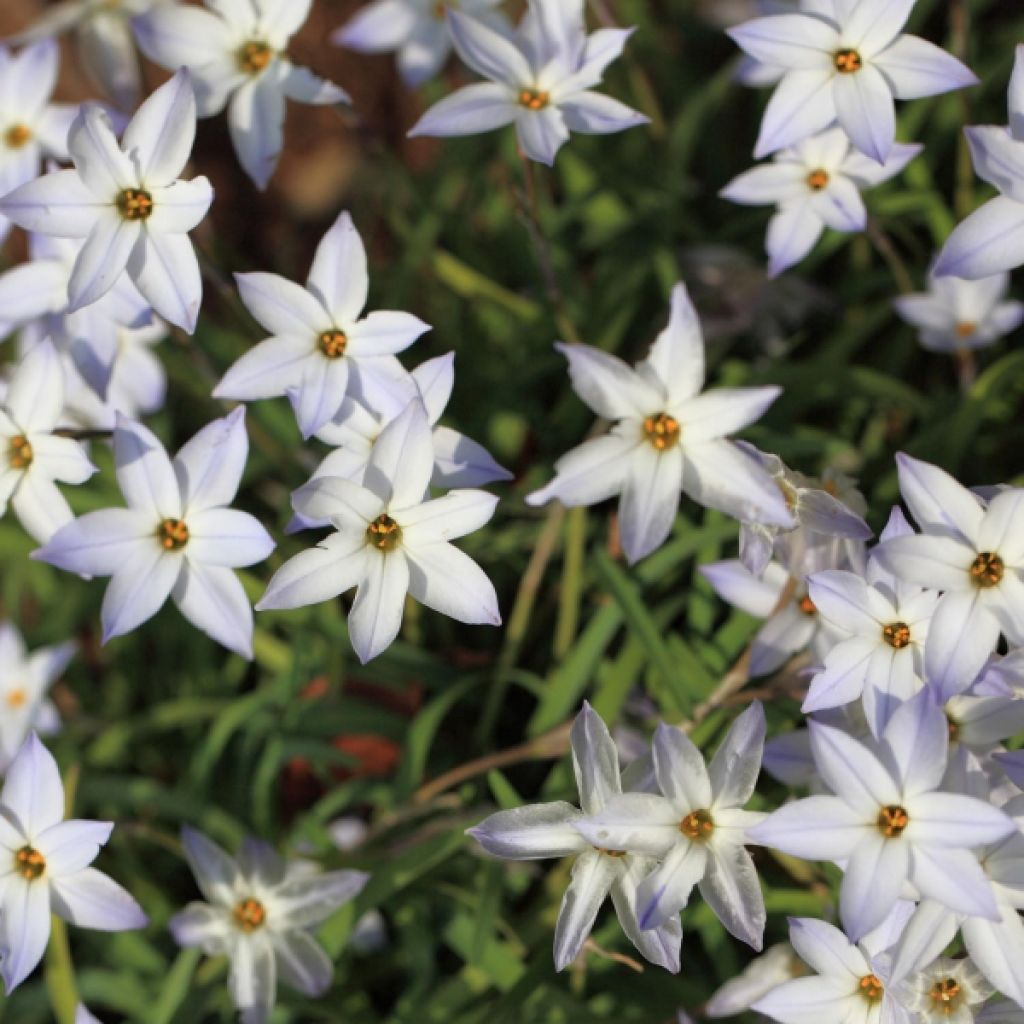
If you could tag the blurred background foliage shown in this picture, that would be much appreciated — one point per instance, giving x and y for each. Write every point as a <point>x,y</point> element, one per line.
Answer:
<point>162,727</point>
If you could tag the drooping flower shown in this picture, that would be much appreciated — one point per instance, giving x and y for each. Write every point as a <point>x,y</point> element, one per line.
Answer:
<point>541,80</point>
<point>34,296</point>
<point>696,827</point>
<point>891,821</point>
<point>103,32</point>
<point>538,831</point>
<point>127,201</point>
<point>458,461</point>
<point>32,457</point>
<point>47,868</point>
<point>417,29</point>
<point>390,540</point>
<point>25,680</point>
<point>955,314</point>
<point>975,555</point>
<point>322,348</point>
<point>237,53</point>
<point>668,438</point>
<point>991,240</point>
<point>259,912</point>
<point>177,538</point>
<point>848,66</point>
<point>32,129</point>
<point>815,184</point>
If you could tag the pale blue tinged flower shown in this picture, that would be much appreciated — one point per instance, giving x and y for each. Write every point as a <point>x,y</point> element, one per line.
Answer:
<point>778,964</point>
<point>177,538</point>
<point>539,831</point>
<point>668,438</point>
<point>458,461</point>
<point>991,240</point>
<point>416,29</point>
<point>974,554</point>
<point>260,912</point>
<point>127,202</point>
<point>814,185</point>
<point>890,821</point>
<point>696,827</point>
<point>32,457</point>
<point>390,540</point>
<point>541,80</point>
<point>847,66</point>
<point>25,679</point>
<point>47,869</point>
<point>237,54</point>
<point>322,348</point>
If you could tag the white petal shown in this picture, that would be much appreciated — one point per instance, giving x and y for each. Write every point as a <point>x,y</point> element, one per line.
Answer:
<point>915,68</point>
<point>402,460</point>
<point>723,411</point>
<point>650,499</point>
<point>608,385</point>
<point>214,870</point>
<point>145,473</point>
<point>72,845</point>
<point>209,467</point>
<point>378,27</point>
<point>661,946</point>
<point>533,832</point>
<point>319,574</point>
<point>592,877</point>
<point>666,890</point>
<point>936,498</point>
<point>26,929</point>
<point>852,771</point>
<point>268,370</point>
<point>481,107</point>
<point>988,242</point>
<point>961,636</point>
<point>103,259</point>
<point>676,359</point>
<point>89,899</point>
<point>737,762</point>
<point>826,950</point>
<point>732,890</point>
<point>840,206</point>
<point>98,543</point>
<point>35,395</point>
<point>953,878</point>
<point>307,900</point>
<point>214,601</point>
<point>338,278</point>
<point>376,614</point>
<point>818,828</point>
<point>446,579</point>
<point>680,770</point>
<point>252,981</point>
<point>595,760</point>
<point>488,52</point>
<point>180,206</point>
<point>137,591</point>
<point>201,925</point>
<point>541,133</point>
<point>302,963</point>
<point>590,473</point>
<point>104,168</point>
<point>283,307</point>
<point>384,333</point>
<point>875,875</point>
<point>462,463</point>
<point>54,204</point>
<point>813,1000</point>
<point>62,458</point>
<point>181,35</point>
<point>802,105</point>
<point>792,234</point>
<point>33,793</point>
<point>997,948</point>
<point>41,509</point>
<point>302,86</point>
<point>160,135</point>
<point>592,113</point>
<point>318,395</point>
<point>645,823</point>
<point>166,271</point>
<point>227,537</point>
<point>768,184</point>
<point>788,40</point>
<point>256,123</point>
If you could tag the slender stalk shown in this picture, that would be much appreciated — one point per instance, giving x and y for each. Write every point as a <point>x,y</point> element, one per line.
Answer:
<point>59,974</point>
<point>884,247</point>
<point>572,582</point>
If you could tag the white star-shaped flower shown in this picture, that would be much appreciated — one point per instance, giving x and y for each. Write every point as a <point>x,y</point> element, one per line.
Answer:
<point>815,184</point>
<point>35,295</point>
<point>32,129</point>
<point>695,826</point>
<point>177,538</point>
<point>417,29</point>
<point>237,53</point>
<point>458,461</point>
<point>32,457</point>
<point>103,32</point>
<point>955,314</point>
<point>890,821</point>
<point>322,348</point>
<point>25,680</point>
<point>390,540</point>
<point>991,240</point>
<point>668,438</point>
<point>260,912</point>
<point>848,67</point>
<point>538,831</point>
<point>541,80</point>
<point>127,202</point>
<point>975,555</point>
<point>946,992</point>
<point>47,866</point>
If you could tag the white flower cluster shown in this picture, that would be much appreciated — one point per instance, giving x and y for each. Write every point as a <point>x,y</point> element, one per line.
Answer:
<point>912,651</point>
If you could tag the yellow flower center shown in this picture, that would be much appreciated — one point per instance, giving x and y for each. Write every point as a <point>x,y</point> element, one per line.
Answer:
<point>987,569</point>
<point>384,533</point>
<point>662,431</point>
<point>135,204</point>
<point>533,99</point>
<point>807,606</point>
<point>29,863</point>
<point>847,61</point>
<point>817,180</point>
<point>892,821</point>
<point>965,328</point>
<point>254,56</point>
<point>20,453</point>
<point>18,135</point>
<point>871,988</point>
<point>896,634</point>
<point>697,825</point>
<point>172,534</point>
<point>945,995</point>
<point>249,915</point>
<point>17,698</point>
<point>333,343</point>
